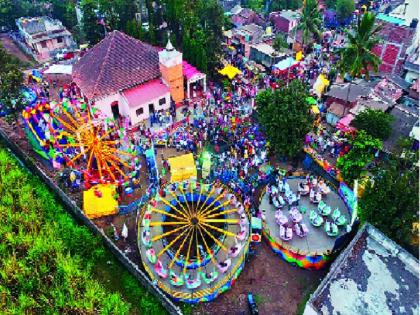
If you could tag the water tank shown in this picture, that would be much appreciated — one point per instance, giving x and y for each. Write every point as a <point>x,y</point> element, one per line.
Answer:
<point>414,23</point>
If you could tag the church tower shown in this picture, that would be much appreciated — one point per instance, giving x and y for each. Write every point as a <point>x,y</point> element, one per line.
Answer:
<point>170,64</point>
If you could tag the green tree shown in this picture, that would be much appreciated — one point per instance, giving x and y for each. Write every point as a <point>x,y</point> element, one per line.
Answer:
<point>11,82</point>
<point>93,32</point>
<point>330,4</point>
<point>353,165</point>
<point>280,43</point>
<point>310,22</point>
<point>65,11</point>
<point>278,5</point>
<point>357,57</point>
<point>391,200</point>
<point>345,9</point>
<point>284,116</point>
<point>376,123</point>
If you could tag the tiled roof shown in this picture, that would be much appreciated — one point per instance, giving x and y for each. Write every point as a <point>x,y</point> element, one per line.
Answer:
<point>116,63</point>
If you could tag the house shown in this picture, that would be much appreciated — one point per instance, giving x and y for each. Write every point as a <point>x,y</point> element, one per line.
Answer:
<point>44,36</point>
<point>284,21</point>
<point>245,36</point>
<point>373,275</point>
<point>335,112</point>
<point>244,16</point>
<point>265,54</point>
<point>123,76</point>
<point>405,118</point>
<point>348,93</point>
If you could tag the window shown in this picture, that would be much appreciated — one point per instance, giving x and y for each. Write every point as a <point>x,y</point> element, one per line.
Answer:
<point>139,111</point>
<point>59,39</point>
<point>162,101</point>
<point>44,44</point>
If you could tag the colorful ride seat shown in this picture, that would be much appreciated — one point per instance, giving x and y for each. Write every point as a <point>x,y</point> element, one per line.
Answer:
<point>316,220</point>
<point>331,229</point>
<point>336,214</point>
<point>145,238</point>
<point>151,255</point>
<point>240,236</point>
<point>224,265</point>
<point>209,277</point>
<point>321,206</point>
<point>161,270</point>
<point>146,220</point>
<point>175,280</point>
<point>326,211</point>
<point>286,234</point>
<point>234,250</point>
<point>341,220</point>
<point>301,229</point>
<point>192,283</point>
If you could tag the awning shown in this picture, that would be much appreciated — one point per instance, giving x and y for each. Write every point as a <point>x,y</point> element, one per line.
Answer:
<point>230,71</point>
<point>320,84</point>
<point>285,63</point>
<point>190,71</point>
<point>59,69</point>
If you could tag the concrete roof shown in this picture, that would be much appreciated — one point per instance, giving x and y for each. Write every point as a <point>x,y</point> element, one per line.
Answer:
<point>373,275</point>
<point>357,88</point>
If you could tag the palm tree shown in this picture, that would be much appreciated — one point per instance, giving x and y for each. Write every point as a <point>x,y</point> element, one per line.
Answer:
<point>357,57</point>
<point>310,22</point>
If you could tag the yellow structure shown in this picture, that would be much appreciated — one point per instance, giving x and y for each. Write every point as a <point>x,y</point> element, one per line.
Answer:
<point>99,201</point>
<point>230,71</point>
<point>321,84</point>
<point>182,167</point>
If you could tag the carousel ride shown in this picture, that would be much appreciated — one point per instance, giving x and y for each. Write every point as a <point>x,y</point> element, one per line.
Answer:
<point>193,239</point>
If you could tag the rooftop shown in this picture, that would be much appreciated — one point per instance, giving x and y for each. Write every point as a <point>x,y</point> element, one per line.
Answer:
<point>373,275</point>
<point>40,24</point>
<point>357,88</point>
<point>116,63</point>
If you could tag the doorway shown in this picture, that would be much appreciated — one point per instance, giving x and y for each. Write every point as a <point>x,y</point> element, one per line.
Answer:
<point>151,109</point>
<point>115,110</point>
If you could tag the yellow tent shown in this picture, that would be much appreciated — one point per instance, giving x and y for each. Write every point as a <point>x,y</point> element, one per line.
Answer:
<point>99,201</point>
<point>230,71</point>
<point>182,167</point>
<point>320,84</point>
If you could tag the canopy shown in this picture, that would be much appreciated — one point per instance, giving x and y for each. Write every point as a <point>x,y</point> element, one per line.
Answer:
<point>182,167</point>
<point>59,69</point>
<point>285,63</point>
<point>311,100</point>
<point>99,201</point>
<point>344,123</point>
<point>320,84</point>
<point>190,71</point>
<point>230,71</point>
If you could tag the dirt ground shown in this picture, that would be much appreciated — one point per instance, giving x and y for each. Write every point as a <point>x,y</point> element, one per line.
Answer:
<point>277,286</point>
<point>13,49</point>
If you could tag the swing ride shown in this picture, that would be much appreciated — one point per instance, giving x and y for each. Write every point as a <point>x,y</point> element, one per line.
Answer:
<point>193,239</point>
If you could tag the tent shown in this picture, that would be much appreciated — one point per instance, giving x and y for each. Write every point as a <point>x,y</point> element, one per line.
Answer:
<point>344,123</point>
<point>285,64</point>
<point>59,69</point>
<point>99,201</point>
<point>230,71</point>
<point>182,167</point>
<point>321,84</point>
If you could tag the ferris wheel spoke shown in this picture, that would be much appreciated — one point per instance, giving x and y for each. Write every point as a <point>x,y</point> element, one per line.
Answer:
<point>227,233</point>
<point>110,172</point>
<point>186,201</point>
<point>212,210</point>
<point>185,211</point>
<point>166,202</point>
<point>211,204</point>
<point>197,249</point>
<point>160,236</point>
<point>117,168</point>
<point>188,252</point>
<point>190,229</point>
<point>207,198</point>
<point>65,124</point>
<point>208,250</point>
<point>220,221</point>
<point>166,213</point>
<point>160,223</point>
<point>214,239</point>
<point>220,213</point>
<point>171,243</point>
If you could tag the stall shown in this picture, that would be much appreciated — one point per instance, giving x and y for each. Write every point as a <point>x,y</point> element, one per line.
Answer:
<point>182,167</point>
<point>230,71</point>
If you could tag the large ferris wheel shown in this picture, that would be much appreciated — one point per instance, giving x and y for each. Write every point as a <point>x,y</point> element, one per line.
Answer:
<point>191,236</point>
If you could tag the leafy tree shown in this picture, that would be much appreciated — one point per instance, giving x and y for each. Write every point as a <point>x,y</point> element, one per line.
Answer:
<point>353,165</point>
<point>376,123</point>
<point>357,57</point>
<point>390,201</point>
<point>93,32</point>
<point>11,82</point>
<point>345,9</point>
<point>284,116</point>
<point>65,11</point>
<point>330,4</point>
<point>227,23</point>
<point>278,5</point>
<point>310,22</point>
<point>280,43</point>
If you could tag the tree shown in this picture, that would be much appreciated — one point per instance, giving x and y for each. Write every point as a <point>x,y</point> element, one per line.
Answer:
<point>330,4</point>
<point>11,83</point>
<point>357,57</point>
<point>93,32</point>
<point>280,43</point>
<point>390,201</point>
<point>345,9</point>
<point>284,116</point>
<point>278,5</point>
<point>353,165</point>
<point>376,123</point>
<point>310,22</point>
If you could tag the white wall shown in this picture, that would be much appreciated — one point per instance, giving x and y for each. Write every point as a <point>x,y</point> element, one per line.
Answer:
<point>104,104</point>
<point>137,119</point>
